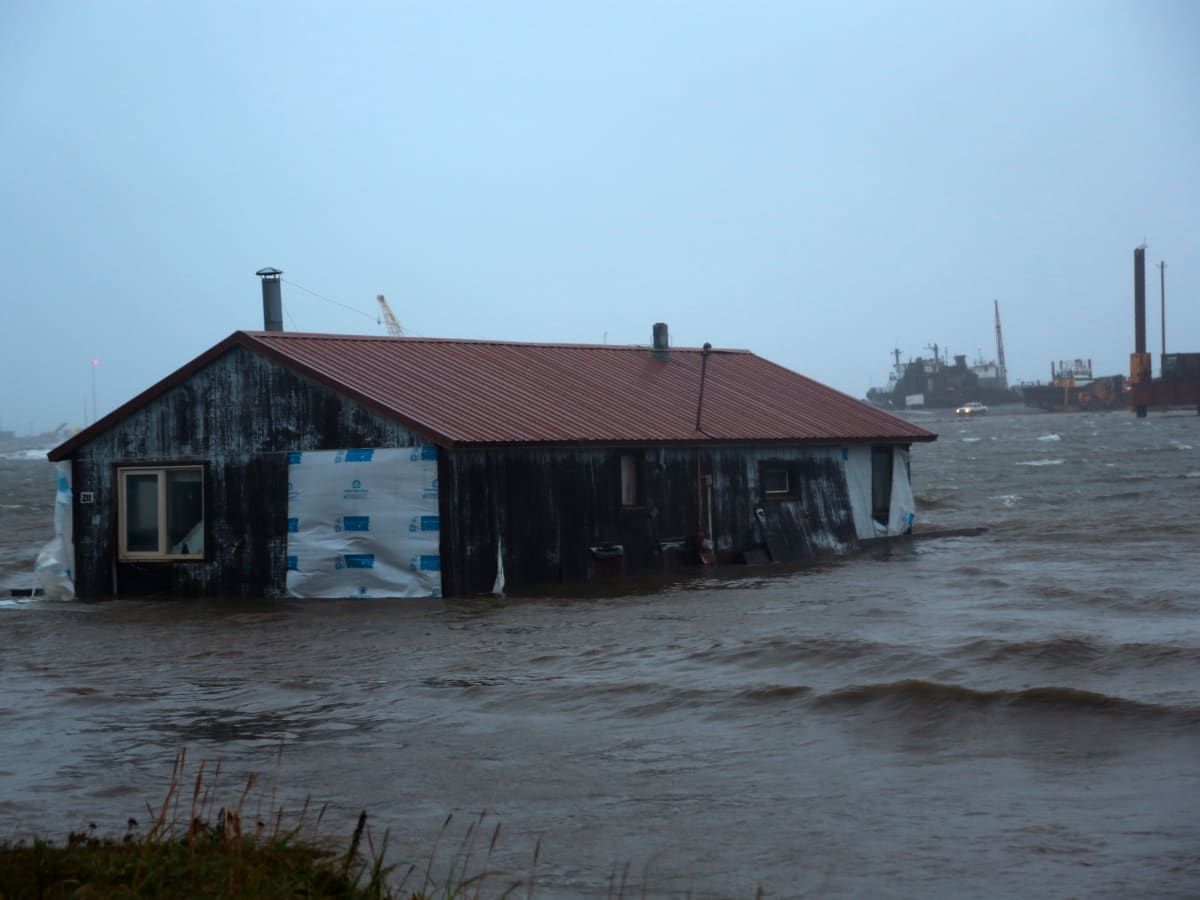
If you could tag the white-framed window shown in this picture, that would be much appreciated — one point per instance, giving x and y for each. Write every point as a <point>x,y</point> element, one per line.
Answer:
<point>160,512</point>
<point>776,481</point>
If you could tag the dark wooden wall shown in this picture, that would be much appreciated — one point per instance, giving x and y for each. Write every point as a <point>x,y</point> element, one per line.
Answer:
<point>560,516</point>
<point>558,511</point>
<point>238,416</point>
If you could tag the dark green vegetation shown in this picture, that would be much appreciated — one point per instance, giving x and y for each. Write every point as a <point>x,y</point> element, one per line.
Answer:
<point>229,853</point>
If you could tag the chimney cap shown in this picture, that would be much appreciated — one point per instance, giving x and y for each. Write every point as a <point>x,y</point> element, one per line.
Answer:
<point>269,272</point>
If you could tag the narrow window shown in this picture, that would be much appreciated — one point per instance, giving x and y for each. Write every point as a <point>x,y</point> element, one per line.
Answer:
<point>630,495</point>
<point>776,481</point>
<point>881,483</point>
<point>141,512</point>
<point>161,513</point>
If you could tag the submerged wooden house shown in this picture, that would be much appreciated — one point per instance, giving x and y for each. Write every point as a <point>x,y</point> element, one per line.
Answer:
<point>529,464</point>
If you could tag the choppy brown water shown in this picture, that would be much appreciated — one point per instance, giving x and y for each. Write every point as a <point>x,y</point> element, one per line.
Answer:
<point>1015,714</point>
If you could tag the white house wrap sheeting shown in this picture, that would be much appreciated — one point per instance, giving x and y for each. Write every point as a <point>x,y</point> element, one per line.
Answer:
<point>903,508</point>
<point>858,482</point>
<point>56,561</point>
<point>363,523</point>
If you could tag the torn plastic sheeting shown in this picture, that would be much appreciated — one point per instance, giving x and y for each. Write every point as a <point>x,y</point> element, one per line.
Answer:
<point>904,506</point>
<point>857,461</point>
<point>55,563</point>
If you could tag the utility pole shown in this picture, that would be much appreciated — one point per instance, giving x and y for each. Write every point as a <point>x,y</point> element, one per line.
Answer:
<point>95,362</point>
<point>1162,285</point>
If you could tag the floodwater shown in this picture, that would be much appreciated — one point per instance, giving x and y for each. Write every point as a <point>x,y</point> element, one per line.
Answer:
<point>1013,714</point>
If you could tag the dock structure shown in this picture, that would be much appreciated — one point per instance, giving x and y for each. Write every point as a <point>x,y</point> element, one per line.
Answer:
<point>1178,384</point>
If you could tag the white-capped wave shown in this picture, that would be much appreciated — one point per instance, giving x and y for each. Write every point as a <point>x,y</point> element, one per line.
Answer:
<point>1049,437</point>
<point>1041,462</point>
<point>17,601</point>
<point>24,454</point>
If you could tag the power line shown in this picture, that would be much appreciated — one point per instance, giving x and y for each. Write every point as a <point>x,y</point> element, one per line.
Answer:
<point>373,318</point>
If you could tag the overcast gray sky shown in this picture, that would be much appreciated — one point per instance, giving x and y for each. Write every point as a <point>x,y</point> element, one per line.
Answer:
<point>817,182</point>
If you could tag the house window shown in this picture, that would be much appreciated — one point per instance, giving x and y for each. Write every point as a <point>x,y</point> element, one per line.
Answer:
<point>776,481</point>
<point>881,483</point>
<point>161,513</point>
<point>630,493</point>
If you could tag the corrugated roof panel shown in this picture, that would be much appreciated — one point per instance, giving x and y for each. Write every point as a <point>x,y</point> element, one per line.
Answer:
<point>485,392</point>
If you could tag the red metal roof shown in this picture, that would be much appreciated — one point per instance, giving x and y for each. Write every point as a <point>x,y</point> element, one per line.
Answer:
<point>493,392</point>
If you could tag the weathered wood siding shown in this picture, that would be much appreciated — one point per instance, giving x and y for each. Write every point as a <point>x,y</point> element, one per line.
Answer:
<point>557,511</point>
<point>238,417</point>
<point>553,506</point>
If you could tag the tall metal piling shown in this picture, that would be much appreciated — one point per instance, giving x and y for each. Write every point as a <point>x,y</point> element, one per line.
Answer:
<point>1139,368</point>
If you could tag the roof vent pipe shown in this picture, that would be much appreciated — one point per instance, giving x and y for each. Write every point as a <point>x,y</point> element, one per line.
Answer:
<point>661,340</point>
<point>272,303</point>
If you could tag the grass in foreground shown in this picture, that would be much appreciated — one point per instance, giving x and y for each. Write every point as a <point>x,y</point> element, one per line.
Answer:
<point>222,855</point>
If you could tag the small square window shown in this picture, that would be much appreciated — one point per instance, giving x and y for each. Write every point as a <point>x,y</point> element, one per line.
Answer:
<point>776,481</point>
<point>161,513</point>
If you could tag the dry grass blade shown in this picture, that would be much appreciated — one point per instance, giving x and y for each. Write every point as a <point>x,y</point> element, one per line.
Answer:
<point>221,856</point>
<point>537,851</point>
<point>352,851</point>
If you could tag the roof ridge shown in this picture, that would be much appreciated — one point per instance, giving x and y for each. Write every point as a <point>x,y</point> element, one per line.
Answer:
<point>319,335</point>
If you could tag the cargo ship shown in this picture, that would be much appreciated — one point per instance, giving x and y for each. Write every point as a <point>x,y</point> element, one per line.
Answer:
<point>1073,388</point>
<point>1178,383</point>
<point>936,383</point>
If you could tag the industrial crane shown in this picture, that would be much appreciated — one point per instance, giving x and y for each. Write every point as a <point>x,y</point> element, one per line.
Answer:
<point>393,327</point>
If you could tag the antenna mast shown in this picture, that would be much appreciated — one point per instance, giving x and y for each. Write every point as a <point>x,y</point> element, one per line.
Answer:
<point>393,327</point>
<point>1000,350</point>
